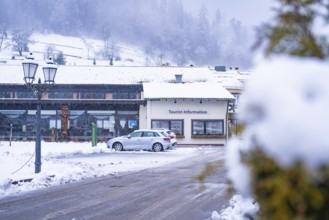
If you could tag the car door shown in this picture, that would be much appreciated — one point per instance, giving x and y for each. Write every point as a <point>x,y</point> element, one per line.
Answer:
<point>147,140</point>
<point>133,140</point>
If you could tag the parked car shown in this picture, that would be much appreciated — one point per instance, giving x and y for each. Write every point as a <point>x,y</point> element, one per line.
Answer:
<point>155,140</point>
<point>171,134</point>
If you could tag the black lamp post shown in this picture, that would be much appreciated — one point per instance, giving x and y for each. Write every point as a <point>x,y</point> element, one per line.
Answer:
<point>49,70</point>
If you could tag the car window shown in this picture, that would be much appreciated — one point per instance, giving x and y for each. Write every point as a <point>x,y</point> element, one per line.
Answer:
<point>136,134</point>
<point>149,134</point>
<point>165,134</point>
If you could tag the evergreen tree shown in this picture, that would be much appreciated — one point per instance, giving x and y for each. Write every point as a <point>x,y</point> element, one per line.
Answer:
<point>292,32</point>
<point>292,191</point>
<point>60,58</point>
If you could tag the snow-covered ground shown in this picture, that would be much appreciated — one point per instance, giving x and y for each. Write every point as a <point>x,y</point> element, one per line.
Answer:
<point>79,51</point>
<point>71,161</point>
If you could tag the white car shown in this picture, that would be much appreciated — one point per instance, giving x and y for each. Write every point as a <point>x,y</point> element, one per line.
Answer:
<point>155,140</point>
<point>171,134</point>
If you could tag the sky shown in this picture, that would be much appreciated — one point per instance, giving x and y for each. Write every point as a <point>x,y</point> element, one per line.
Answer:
<point>242,10</point>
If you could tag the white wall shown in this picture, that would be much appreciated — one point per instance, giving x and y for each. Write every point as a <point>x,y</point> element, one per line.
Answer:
<point>160,110</point>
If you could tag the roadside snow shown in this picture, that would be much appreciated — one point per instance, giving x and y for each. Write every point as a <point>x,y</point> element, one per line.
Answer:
<point>69,162</point>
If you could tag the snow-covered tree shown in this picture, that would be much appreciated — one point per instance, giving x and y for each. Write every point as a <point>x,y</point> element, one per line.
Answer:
<point>280,160</point>
<point>21,40</point>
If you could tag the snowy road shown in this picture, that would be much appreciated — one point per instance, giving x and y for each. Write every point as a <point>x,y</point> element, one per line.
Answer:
<point>168,192</point>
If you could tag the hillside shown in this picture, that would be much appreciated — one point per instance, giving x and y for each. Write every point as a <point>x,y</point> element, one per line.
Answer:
<point>78,51</point>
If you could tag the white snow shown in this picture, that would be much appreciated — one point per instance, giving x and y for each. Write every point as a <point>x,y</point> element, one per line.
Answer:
<point>239,209</point>
<point>285,106</point>
<point>185,90</point>
<point>80,51</point>
<point>71,161</point>
<point>13,74</point>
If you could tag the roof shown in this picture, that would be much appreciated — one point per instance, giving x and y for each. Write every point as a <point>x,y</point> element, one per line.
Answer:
<point>13,74</point>
<point>202,90</point>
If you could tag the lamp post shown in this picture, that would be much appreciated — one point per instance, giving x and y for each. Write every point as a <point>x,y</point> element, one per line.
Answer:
<point>49,71</point>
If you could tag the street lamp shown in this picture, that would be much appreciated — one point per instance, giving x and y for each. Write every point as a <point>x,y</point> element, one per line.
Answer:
<point>49,71</point>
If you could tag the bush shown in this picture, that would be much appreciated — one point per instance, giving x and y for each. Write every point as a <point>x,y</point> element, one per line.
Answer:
<point>292,192</point>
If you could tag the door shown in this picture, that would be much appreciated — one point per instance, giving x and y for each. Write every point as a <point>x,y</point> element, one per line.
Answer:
<point>134,141</point>
<point>147,140</point>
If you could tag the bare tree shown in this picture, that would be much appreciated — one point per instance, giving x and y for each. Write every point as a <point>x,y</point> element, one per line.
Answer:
<point>21,40</point>
<point>49,51</point>
<point>3,34</point>
<point>110,49</point>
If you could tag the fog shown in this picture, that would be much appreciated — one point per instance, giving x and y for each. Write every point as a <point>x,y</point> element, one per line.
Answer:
<point>163,28</point>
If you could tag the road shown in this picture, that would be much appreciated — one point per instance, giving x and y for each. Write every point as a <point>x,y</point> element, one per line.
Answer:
<point>169,192</point>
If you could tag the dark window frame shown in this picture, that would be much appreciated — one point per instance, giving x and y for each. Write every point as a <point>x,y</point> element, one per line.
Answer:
<point>205,127</point>
<point>169,124</point>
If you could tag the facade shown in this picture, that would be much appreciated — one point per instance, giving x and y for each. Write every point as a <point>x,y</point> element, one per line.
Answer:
<point>118,100</point>
<point>69,111</point>
<point>196,112</point>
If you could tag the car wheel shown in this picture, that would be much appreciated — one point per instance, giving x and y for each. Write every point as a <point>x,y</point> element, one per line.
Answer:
<point>117,146</point>
<point>157,147</point>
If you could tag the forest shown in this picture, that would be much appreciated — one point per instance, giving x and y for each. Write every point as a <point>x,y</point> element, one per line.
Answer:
<point>163,28</point>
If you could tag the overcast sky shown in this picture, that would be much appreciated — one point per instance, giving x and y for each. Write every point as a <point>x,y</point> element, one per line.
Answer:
<point>249,12</point>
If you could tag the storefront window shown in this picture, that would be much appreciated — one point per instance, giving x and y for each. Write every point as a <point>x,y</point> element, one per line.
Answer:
<point>12,119</point>
<point>206,127</point>
<point>173,125</point>
<point>5,95</point>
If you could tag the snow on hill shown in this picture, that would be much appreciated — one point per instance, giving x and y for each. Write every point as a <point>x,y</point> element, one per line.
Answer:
<point>77,51</point>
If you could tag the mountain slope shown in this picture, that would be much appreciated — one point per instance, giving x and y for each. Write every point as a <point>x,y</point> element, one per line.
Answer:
<point>78,51</point>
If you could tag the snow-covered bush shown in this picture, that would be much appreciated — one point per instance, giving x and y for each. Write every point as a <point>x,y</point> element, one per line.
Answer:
<point>282,160</point>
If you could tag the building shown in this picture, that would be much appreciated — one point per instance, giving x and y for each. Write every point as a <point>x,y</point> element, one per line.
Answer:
<point>117,99</point>
<point>233,80</point>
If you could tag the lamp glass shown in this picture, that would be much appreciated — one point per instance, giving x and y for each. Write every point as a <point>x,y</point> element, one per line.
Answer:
<point>49,73</point>
<point>29,68</point>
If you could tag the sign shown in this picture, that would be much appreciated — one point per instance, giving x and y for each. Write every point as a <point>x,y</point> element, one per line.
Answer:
<point>199,112</point>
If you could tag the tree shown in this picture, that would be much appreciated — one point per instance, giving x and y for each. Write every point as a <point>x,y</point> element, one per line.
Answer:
<point>296,186</point>
<point>49,52</point>
<point>202,35</point>
<point>21,40</point>
<point>3,34</point>
<point>60,58</point>
<point>292,32</point>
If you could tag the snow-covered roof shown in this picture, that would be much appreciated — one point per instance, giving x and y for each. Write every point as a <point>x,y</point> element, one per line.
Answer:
<point>229,82</point>
<point>231,79</point>
<point>202,90</point>
<point>13,74</point>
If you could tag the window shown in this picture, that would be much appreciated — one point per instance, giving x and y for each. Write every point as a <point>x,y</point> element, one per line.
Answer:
<point>136,134</point>
<point>124,95</point>
<point>60,95</point>
<point>173,125</point>
<point>92,95</point>
<point>150,134</point>
<point>207,127</point>
<point>4,94</point>
<point>25,95</point>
